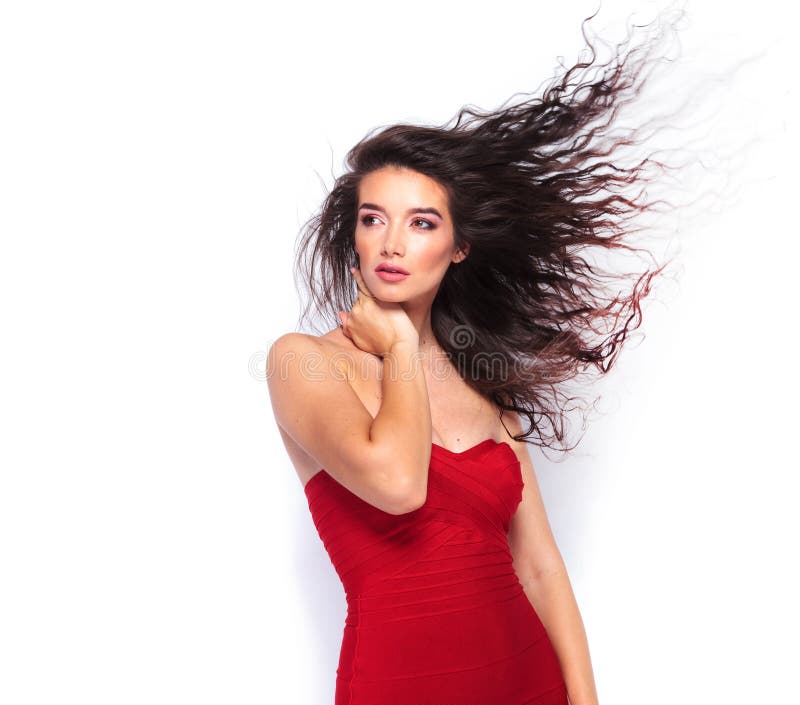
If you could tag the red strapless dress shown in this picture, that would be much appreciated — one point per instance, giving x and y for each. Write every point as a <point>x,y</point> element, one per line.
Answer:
<point>436,614</point>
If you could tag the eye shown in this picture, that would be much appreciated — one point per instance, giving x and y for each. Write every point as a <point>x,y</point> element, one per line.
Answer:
<point>367,221</point>
<point>422,220</point>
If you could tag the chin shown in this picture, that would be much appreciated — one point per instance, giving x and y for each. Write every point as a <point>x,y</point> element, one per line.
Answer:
<point>387,291</point>
<point>391,297</point>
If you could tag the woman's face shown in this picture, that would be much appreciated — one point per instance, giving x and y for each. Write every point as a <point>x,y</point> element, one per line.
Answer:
<point>403,220</point>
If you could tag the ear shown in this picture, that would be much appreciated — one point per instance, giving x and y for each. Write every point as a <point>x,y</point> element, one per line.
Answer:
<point>461,254</point>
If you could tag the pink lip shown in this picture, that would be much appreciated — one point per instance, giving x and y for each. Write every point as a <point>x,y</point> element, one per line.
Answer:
<point>384,266</point>
<point>391,276</point>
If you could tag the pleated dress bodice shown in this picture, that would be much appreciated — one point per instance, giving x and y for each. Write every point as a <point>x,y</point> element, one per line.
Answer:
<point>436,614</point>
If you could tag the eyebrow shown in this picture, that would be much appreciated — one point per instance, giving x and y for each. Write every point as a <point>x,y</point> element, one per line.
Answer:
<point>375,207</point>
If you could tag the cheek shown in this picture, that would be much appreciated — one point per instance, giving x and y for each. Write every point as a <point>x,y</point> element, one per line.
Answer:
<point>432,258</point>
<point>362,245</point>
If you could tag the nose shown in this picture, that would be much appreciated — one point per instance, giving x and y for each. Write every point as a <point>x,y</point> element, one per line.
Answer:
<point>393,242</point>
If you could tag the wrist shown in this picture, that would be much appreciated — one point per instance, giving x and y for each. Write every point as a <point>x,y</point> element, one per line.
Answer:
<point>404,345</point>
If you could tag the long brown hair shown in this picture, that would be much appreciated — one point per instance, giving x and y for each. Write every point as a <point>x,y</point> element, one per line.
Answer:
<point>533,189</point>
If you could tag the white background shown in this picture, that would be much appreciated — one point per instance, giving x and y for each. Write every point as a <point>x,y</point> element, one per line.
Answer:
<point>156,162</point>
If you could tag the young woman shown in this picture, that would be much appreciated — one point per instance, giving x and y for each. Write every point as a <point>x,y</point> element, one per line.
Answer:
<point>465,248</point>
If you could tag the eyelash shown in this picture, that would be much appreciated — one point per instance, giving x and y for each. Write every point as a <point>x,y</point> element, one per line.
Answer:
<point>421,220</point>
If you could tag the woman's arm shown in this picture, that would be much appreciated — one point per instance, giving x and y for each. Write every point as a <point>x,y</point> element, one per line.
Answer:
<point>543,574</point>
<point>384,460</point>
<point>554,601</point>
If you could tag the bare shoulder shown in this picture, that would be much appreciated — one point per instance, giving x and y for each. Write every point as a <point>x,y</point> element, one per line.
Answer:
<point>511,425</point>
<point>292,356</point>
<point>330,342</point>
<point>295,339</point>
<point>324,421</point>
<point>530,536</point>
<point>289,346</point>
<point>334,352</point>
<point>511,420</point>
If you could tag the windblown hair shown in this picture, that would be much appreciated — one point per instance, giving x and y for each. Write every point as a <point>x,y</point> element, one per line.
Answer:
<point>533,190</point>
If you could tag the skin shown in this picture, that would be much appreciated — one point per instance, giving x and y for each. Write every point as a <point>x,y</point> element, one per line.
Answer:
<point>424,245</point>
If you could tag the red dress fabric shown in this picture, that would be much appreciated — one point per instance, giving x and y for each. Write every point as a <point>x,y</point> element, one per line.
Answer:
<point>436,614</point>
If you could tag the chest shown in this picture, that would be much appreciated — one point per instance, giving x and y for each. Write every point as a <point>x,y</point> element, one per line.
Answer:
<point>460,416</point>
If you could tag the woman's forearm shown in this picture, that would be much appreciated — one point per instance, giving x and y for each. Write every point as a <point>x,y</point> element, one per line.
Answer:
<point>554,601</point>
<point>402,426</point>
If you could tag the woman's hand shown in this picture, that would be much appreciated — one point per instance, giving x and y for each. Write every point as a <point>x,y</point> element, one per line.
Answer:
<point>375,326</point>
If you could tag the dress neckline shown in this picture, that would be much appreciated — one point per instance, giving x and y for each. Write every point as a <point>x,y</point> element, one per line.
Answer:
<point>436,447</point>
<point>477,446</point>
